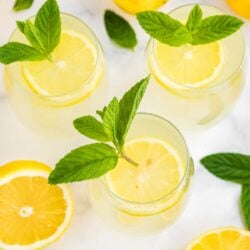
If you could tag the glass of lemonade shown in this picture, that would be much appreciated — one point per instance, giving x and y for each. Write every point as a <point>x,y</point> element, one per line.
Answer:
<point>46,95</point>
<point>134,6</point>
<point>195,85</point>
<point>146,198</point>
<point>241,7</point>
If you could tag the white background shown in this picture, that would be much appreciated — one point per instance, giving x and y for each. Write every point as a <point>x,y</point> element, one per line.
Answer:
<point>213,202</point>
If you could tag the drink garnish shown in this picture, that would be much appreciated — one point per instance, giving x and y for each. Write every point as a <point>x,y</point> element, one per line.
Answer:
<point>94,160</point>
<point>197,30</point>
<point>43,36</point>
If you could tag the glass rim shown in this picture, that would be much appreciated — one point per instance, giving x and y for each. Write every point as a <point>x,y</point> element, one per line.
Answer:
<point>186,172</point>
<point>97,47</point>
<point>220,83</point>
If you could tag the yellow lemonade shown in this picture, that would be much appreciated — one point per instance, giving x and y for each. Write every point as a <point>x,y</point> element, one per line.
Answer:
<point>195,85</point>
<point>148,197</point>
<point>134,6</point>
<point>241,7</point>
<point>48,95</point>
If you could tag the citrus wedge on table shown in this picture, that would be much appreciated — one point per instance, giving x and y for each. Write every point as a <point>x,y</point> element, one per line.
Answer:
<point>73,62</point>
<point>159,172</point>
<point>134,6</point>
<point>188,65</point>
<point>32,212</point>
<point>223,239</point>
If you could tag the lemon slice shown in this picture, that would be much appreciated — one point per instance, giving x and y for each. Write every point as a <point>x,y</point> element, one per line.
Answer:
<point>73,63</point>
<point>222,239</point>
<point>160,170</point>
<point>32,212</point>
<point>193,66</point>
<point>134,6</point>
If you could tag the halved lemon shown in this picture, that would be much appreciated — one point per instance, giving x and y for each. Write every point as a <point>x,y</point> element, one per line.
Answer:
<point>73,62</point>
<point>32,212</point>
<point>222,239</point>
<point>134,6</point>
<point>193,66</point>
<point>160,170</point>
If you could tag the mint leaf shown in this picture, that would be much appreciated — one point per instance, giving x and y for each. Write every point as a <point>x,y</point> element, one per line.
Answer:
<point>13,52</point>
<point>91,127</point>
<point>48,22</point>
<point>161,27</point>
<point>170,31</point>
<point>194,19</point>
<point>101,112</point>
<point>214,28</point>
<point>119,30</point>
<point>110,117</point>
<point>183,34</point>
<point>229,166</point>
<point>87,162</point>
<point>22,4</point>
<point>20,25</point>
<point>33,36</point>
<point>245,204</point>
<point>128,108</point>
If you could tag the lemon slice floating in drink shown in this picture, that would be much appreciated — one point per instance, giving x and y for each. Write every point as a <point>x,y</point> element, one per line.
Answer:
<point>73,62</point>
<point>192,66</point>
<point>32,212</point>
<point>159,172</point>
<point>223,239</point>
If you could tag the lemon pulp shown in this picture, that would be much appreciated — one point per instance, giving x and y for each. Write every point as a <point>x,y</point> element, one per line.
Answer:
<point>159,172</point>
<point>32,212</point>
<point>73,62</point>
<point>222,239</point>
<point>192,66</point>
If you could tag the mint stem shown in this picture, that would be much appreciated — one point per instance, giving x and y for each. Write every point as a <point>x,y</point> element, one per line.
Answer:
<point>132,162</point>
<point>49,57</point>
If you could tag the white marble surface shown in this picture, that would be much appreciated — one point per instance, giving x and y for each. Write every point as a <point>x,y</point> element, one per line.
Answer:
<point>213,203</point>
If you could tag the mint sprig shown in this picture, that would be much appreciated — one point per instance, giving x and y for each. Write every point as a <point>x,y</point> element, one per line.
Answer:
<point>22,4</point>
<point>196,31</point>
<point>94,160</point>
<point>119,30</point>
<point>236,168</point>
<point>43,36</point>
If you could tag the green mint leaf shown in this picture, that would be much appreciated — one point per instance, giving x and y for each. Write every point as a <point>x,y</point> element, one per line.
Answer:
<point>119,30</point>
<point>101,112</point>
<point>183,34</point>
<point>13,52</point>
<point>91,127</point>
<point>245,204</point>
<point>84,163</point>
<point>229,166</point>
<point>194,19</point>
<point>48,22</point>
<point>214,28</point>
<point>34,37</point>
<point>20,25</point>
<point>162,27</point>
<point>128,108</point>
<point>22,4</point>
<point>110,118</point>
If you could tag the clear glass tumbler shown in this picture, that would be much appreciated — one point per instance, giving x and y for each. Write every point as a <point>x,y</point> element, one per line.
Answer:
<point>153,215</point>
<point>188,105</point>
<point>51,114</point>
